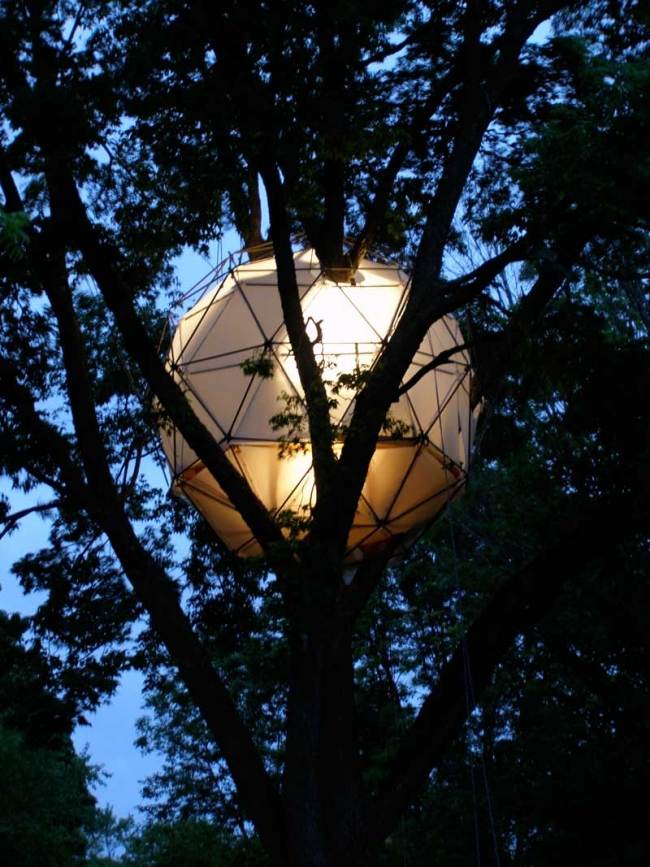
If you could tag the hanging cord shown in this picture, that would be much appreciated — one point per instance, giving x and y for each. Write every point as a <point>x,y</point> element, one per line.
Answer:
<point>470,701</point>
<point>470,695</point>
<point>468,683</point>
<point>464,650</point>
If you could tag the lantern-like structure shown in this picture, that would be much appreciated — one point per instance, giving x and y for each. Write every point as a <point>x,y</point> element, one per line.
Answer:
<point>232,356</point>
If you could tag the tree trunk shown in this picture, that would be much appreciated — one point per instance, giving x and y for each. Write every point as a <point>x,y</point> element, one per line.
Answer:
<point>322,785</point>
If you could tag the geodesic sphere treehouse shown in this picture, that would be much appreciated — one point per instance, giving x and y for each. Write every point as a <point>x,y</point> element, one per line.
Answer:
<point>232,356</point>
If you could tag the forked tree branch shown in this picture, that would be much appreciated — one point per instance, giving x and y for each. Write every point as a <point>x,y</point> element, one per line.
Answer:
<point>482,276</point>
<point>428,300</point>
<point>311,379</point>
<point>103,260</point>
<point>100,497</point>
<point>437,361</point>
<point>153,587</point>
<point>385,185</point>
<point>467,68</point>
<point>522,19</point>
<point>227,40</point>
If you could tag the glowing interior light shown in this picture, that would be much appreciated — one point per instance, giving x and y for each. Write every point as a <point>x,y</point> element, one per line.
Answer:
<point>232,356</point>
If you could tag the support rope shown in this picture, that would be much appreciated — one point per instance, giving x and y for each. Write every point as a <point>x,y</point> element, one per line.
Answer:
<point>468,682</point>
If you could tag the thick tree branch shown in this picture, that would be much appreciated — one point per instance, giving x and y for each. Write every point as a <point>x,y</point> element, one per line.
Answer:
<point>247,211</point>
<point>492,364</point>
<point>101,260</point>
<point>437,361</point>
<point>429,297</point>
<point>152,586</point>
<point>373,402</point>
<point>311,380</point>
<point>377,210</point>
<point>385,185</point>
<point>336,57</point>
<point>481,277</point>
<point>521,602</point>
<point>103,263</point>
<point>234,60</point>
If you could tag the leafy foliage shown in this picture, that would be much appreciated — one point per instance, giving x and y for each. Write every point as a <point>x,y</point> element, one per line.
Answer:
<point>503,159</point>
<point>45,805</point>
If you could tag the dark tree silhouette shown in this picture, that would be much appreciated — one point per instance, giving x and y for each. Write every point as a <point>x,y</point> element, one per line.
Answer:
<point>498,150</point>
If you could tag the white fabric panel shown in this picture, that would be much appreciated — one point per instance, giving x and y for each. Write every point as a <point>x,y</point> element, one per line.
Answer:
<point>200,323</point>
<point>265,301</point>
<point>376,305</point>
<point>426,475</point>
<point>406,482</point>
<point>387,469</point>
<point>232,359</point>
<point>281,482</point>
<point>265,400</point>
<point>235,328</point>
<point>229,385</point>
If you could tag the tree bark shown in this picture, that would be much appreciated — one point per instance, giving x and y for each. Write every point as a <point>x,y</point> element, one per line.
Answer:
<point>322,785</point>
